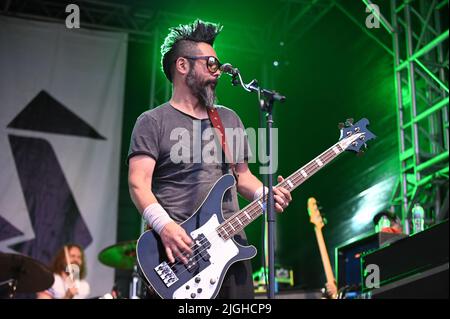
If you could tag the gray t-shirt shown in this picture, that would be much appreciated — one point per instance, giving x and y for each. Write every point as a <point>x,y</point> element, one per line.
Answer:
<point>189,159</point>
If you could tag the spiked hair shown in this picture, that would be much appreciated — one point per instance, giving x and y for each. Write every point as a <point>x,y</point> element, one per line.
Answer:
<point>182,40</point>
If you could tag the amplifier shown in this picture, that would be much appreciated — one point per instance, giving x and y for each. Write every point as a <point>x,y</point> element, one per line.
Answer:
<point>429,284</point>
<point>348,254</point>
<point>417,255</point>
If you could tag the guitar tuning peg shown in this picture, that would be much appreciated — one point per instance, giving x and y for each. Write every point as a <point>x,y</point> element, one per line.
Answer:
<point>349,122</point>
<point>325,221</point>
<point>341,125</point>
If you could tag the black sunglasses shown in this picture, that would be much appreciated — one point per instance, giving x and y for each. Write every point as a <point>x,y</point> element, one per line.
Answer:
<point>212,63</point>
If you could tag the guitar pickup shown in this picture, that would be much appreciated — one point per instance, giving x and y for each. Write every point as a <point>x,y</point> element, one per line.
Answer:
<point>203,244</point>
<point>200,248</point>
<point>191,265</point>
<point>166,274</point>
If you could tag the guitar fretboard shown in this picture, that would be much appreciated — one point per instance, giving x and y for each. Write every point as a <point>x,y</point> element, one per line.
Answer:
<point>245,216</point>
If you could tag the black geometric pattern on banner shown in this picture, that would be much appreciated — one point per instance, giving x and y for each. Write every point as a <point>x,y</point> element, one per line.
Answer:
<point>45,114</point>
<point>7,230</point>
<point>53,212</point>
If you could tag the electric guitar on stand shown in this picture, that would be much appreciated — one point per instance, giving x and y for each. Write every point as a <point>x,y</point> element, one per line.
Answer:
<point>215,249</point>
<point>315,217</point>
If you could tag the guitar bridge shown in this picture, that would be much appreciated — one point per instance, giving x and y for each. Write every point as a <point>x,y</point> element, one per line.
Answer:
<point>166,274</point>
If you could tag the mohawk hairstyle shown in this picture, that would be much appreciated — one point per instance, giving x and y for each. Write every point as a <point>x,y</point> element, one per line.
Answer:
<point>182,41</point>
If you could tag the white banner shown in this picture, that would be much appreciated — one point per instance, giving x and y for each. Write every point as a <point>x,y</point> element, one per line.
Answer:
<point>61,98</point>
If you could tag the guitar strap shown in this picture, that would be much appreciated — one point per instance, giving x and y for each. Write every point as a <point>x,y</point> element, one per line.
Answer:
<point>220,134</point>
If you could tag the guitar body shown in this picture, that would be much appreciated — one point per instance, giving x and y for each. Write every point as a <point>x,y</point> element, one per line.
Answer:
<point>202,277</point>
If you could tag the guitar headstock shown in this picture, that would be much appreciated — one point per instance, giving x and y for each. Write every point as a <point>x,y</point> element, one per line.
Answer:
<point>315,217</point>
<point>354,136</point>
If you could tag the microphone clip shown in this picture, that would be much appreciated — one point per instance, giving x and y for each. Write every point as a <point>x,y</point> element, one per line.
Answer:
<point>235,79</point>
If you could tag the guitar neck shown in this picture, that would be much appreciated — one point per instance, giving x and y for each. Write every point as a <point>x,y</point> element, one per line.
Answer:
<point>324,254</point>
<point>252,211</point>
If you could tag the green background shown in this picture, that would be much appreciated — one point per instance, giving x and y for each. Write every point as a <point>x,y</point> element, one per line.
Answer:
<point>329,72</point>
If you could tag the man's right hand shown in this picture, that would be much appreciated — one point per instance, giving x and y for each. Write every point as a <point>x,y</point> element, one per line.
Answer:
<point>176,242</point>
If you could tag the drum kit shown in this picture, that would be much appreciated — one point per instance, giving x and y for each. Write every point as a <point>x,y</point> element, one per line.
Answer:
<point>23,274</point>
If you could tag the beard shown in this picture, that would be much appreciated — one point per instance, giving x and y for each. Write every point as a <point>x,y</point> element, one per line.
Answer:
<point>204,91</point>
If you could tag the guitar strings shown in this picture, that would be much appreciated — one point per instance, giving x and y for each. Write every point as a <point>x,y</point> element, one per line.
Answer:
<point>215,233</point>
<point>295,177</point>
<point>312,167</point>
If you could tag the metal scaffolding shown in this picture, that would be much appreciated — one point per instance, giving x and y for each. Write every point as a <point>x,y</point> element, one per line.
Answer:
<point>419,33</point>
<point>421,62</point>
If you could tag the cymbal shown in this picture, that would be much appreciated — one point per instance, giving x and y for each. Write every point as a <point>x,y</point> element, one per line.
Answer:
<point>121,255</point>
<point>30,274</point>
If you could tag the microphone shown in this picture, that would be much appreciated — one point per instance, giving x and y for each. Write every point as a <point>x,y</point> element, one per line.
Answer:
<point>229,69</point>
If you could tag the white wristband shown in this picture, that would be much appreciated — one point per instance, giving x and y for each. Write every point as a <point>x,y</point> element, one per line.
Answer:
<point>259,192</point>
<point>156,217</point>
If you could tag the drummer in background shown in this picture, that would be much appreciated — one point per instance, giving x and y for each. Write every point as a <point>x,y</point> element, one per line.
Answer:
<point>66,286</point>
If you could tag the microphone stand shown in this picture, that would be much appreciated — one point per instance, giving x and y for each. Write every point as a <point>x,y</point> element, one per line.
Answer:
<point>266,99</point>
